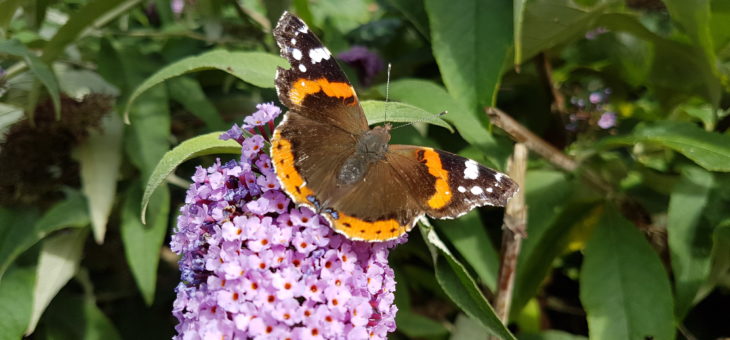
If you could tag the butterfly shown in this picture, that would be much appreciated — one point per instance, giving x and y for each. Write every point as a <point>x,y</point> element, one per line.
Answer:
<point>327,158</point>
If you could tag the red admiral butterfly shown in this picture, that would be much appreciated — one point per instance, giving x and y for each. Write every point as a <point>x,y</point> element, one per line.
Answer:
<point>327,158</point>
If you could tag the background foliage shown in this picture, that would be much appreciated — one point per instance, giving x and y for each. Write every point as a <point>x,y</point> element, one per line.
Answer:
<point>632,244</point>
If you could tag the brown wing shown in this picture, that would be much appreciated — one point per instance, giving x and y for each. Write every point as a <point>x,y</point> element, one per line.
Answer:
<point>315,85</point>
<point>454,184</point>
<point>379,207</point>
<point>306,154</point>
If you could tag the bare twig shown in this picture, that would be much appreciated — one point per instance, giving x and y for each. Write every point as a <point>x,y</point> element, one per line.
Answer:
<point>514,230</point>
<point>521,134</point>
<point>547,72</point>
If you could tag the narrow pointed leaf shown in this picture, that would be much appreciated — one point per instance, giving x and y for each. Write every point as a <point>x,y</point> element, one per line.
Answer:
<point>20,229</point>
<point>142,243</point>
<point>40,69</point>
<point>256,68</point>
<point>460,287</point>
<point>207,144</point>
<point>58,261</point>
<point>379,111</point>
<point>99,159</point>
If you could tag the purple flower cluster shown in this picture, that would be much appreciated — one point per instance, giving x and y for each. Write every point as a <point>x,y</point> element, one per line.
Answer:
<point>590,106</point>
<point>367,63</point>
<point>253,266</point>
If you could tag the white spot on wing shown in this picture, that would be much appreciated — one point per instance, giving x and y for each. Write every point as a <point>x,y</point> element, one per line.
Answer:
<point>476,190</point>
<point>302,68</point>
<point>461,189</point>
<point>499,176</point>
<point>304,28</point>
<point>318,54</point>
<point>471,171</point>
<point>293,41</point>
<point>296,53</point>
<point>490,189</point>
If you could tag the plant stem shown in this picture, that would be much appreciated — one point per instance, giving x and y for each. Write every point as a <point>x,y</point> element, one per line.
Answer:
<point>514,230</point>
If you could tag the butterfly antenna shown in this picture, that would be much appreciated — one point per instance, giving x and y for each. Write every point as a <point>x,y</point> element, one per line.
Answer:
<point>419,121</point>
<point>387,93</point>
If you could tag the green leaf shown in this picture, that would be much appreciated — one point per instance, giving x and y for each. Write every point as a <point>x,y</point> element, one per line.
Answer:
<point>694,16</point>
<point>188,92</point>
<point>58,262</point>
<point>16,296</point>
<point>207,144</point>
<point>415,12</point>
<point>418,326</point>
<point>379,111</point>
<point>708,149</point>
<point>256,68</point>
<point>21,231</point>
<point>689,236</point>
<point>99,159</point>
<point>470,239</point>
<point>548,23</point>
<point>621,279</point>
<point>7,11</point>
<point>78,317</point>
<point>470,40</point>
<point>460,287</point>
<point>467,328</point>
<point>433,98</point>
<point>94,14</point>
<point>142,243</point>
<point>39,68</point>
<point>147,139</point>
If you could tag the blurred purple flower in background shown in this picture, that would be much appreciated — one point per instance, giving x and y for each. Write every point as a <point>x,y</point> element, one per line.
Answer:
<point>177,6</point>
<point>607,120</point>
<point>367,63</point>
<point>253,266</point>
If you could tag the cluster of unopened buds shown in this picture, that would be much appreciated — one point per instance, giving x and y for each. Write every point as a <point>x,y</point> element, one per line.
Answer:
<point>254,266</point>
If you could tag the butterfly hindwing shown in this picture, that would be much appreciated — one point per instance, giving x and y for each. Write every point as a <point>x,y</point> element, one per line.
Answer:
<point>455,184</point>
<point>315,85</point>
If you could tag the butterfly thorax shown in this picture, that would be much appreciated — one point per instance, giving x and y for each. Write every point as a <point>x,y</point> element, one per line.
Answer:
<point>371,147</point>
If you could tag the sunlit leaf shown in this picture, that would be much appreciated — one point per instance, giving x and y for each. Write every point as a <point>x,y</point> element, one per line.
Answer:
<point>470,40</point>
<point>256,68</point>
<point>99,159</point>
<point>59,259</point>
<point>378,112</point>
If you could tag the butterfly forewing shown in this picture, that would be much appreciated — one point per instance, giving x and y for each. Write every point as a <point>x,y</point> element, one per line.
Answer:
<point>315,85</point>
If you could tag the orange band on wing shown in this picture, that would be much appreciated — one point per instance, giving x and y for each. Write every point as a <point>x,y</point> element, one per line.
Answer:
<point>289,177</point>
<point>443,193</point>
<point>301,88</point>
<point>355,228</point>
